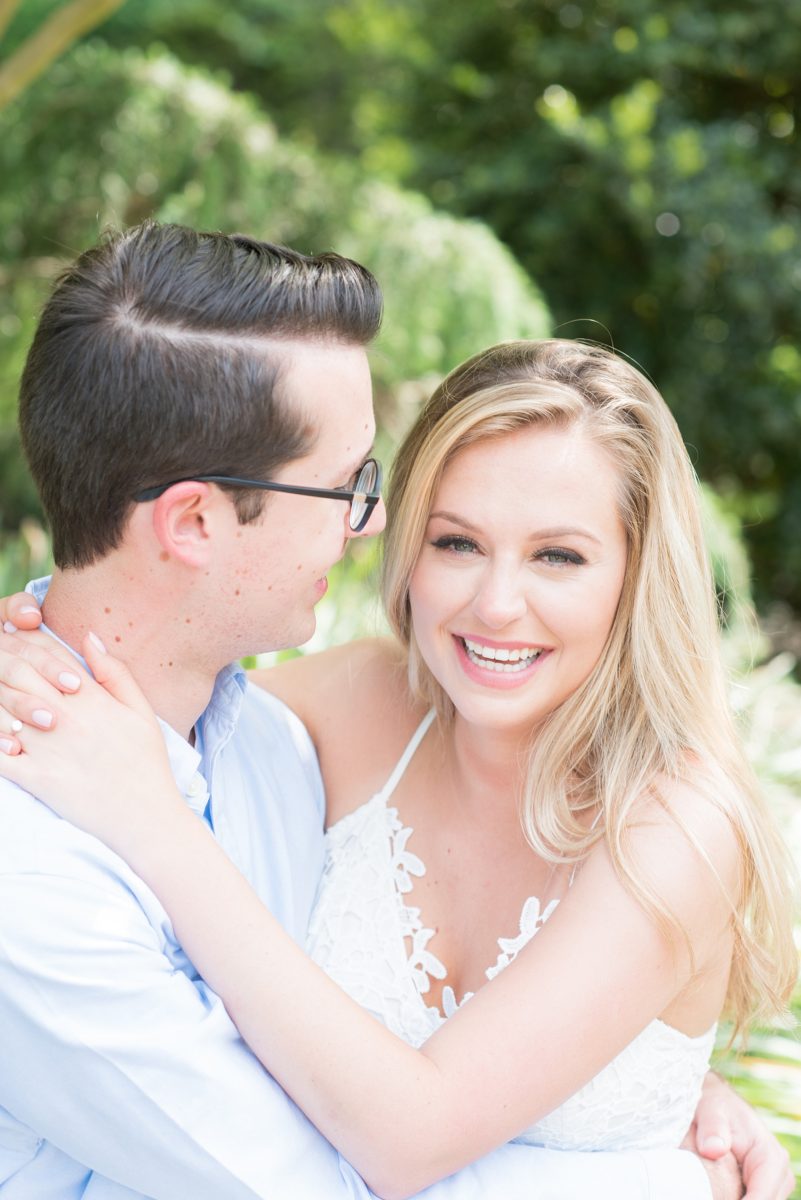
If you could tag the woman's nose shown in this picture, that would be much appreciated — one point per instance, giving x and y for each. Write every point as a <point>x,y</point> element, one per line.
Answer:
<point>501,597</point>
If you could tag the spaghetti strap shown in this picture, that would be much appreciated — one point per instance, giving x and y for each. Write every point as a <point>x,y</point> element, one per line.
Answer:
<point>404,760</point>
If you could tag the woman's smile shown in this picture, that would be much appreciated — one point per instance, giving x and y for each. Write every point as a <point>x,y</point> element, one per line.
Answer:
<point>498,665</point>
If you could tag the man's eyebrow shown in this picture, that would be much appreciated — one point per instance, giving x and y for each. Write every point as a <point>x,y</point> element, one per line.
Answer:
<point>536,535</point>
<point>363,459</point>
<point>351,469</point>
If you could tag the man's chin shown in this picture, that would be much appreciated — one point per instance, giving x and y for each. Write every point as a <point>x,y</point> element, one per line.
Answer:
<point>302,634</point>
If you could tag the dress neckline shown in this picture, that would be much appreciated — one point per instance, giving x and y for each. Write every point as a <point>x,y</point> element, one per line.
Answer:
<point>422,964</point>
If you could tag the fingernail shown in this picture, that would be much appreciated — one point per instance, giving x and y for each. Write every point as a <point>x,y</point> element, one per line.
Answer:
<point>41,717</point>
<point>6,746</point>
<point>30,608</point>
<point>16,725</point>
<point>68,680</point>
<point>97,642</point>
<point>714,1143</point>
<point>10,627</point>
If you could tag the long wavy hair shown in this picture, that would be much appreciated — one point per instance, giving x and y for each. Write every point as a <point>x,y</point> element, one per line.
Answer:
<point>655,705</point>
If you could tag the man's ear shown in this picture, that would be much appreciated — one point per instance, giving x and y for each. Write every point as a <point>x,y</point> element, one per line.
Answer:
<point>185,518</point>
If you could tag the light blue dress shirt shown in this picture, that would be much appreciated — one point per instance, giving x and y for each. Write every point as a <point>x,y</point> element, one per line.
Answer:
<point>121,1075</point>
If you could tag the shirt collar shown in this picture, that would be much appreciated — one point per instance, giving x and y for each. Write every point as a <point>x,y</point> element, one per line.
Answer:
<point>217,722</point>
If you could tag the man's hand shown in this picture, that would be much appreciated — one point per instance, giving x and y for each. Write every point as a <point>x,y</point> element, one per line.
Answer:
<point>729,1137</point>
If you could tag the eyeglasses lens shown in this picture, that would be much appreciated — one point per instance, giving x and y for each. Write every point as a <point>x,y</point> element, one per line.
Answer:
<point>365,486</point>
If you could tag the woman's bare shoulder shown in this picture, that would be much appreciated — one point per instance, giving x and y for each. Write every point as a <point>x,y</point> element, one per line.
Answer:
<point>686,836</point>
<point>356,704</point>
<point>361,681</point>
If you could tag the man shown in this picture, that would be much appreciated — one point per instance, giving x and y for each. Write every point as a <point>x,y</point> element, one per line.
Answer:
<point>196,411</point>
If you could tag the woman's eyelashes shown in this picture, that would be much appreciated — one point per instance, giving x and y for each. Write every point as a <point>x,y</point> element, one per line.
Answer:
<point>558,557</point>
<point>455,542</point>
<point>555,556</point>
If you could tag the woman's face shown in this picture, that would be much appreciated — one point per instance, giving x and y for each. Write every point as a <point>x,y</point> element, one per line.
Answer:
<point>520,573</point>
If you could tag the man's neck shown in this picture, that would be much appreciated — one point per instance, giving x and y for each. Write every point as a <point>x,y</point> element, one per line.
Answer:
<point>139,626</point>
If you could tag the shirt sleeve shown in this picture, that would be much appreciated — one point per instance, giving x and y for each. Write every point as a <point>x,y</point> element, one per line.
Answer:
<point>118,1058</point>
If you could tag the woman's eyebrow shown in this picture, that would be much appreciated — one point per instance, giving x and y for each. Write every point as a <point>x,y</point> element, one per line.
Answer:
<point>454,518</point>
<point>536,535</point>
<point>566,531</point>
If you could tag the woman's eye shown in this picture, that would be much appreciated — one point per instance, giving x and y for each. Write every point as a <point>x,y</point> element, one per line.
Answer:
<point>455,543</point>
<point>560,558</point>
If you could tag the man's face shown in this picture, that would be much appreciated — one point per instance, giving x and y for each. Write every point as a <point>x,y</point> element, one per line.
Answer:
<point>277,568</point>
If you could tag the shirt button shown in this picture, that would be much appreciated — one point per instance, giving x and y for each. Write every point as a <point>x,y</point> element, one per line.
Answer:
<point>197,787</point>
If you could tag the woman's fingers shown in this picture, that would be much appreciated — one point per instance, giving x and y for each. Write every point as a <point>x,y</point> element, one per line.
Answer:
<point>114,676</point>
<point>103,764</point>
<point>21,611</point>
<point>32,681</point>
<point>10,726</point>
<point>37,667</point>
<point>36,673</point>
<point>21,708</point>
<point>24,642</point>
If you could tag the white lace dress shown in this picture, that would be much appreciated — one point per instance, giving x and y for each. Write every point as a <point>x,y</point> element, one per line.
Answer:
<point>645,1098</point>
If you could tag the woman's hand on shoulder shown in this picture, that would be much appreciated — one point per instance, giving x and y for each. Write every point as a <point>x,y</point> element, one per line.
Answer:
<point>102,763</point>
<point>36,672</point>
<point>29,670</point>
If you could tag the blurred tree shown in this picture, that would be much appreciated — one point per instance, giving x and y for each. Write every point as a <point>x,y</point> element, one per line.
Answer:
<point>644,167</point>
<point>58,31</point>
<point>109,138</point>
<point>641,161</point>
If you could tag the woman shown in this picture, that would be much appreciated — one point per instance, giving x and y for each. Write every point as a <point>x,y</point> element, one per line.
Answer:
<point>545,749</point>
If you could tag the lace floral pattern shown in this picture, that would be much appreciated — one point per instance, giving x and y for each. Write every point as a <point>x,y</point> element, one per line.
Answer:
<point>375,946</point>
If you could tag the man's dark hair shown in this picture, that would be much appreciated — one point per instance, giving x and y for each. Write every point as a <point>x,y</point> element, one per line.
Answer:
<point>147,366</point>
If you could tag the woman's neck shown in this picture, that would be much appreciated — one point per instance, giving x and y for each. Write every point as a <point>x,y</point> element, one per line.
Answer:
<point>485,762</point>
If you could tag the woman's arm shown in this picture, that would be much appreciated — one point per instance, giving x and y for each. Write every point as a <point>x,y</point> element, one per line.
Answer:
<point>584,987</point>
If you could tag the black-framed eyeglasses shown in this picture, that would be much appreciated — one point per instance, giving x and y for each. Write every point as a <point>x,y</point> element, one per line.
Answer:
<point>362,498</point>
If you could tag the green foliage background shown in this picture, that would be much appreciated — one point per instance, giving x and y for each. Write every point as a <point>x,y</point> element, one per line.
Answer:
<point>640,162</point>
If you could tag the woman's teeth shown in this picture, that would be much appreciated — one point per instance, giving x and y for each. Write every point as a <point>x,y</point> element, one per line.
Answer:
<point>496,658</point>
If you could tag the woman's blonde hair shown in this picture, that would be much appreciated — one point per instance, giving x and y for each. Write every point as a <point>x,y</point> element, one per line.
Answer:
<point>656,701</point>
